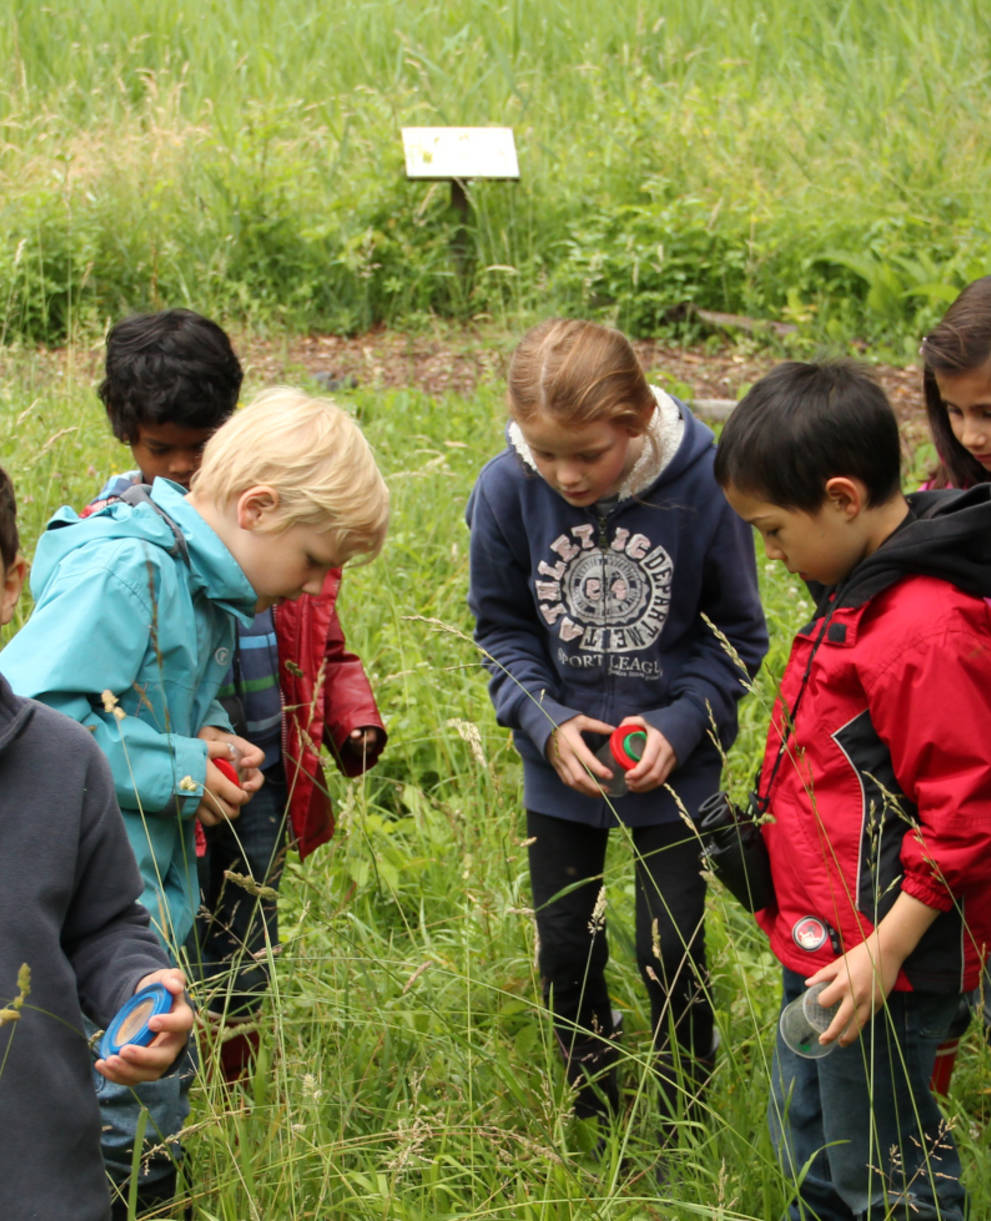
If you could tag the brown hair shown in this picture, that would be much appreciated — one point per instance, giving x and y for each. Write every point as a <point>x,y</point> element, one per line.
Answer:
<point>959,344</point>
<point>9,542</point>
<point>576,372</point>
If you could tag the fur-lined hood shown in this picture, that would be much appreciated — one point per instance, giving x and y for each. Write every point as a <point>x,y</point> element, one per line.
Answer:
<point>664,435</point>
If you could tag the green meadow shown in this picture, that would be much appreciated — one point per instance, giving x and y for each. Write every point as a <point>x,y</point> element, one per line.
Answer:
<point>824,165</point>
<point>820,165</point>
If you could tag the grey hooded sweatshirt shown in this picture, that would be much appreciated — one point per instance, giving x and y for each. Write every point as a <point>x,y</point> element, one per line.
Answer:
<point>68,910</point>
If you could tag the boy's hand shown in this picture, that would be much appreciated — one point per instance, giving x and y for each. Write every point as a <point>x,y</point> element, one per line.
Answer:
<point>132,1065</point>
<point>861,979</point>
<point>222,798</point>
<point>364,745</point>
<point>245,755</point>
<point>570,757</point>
<point>657,762</point>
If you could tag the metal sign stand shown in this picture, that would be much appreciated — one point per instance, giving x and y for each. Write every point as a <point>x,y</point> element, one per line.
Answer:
<point>459,154</point>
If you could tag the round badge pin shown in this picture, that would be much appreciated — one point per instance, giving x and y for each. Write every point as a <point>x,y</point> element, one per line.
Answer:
<point>130,1024</point>
<point>809,933</point>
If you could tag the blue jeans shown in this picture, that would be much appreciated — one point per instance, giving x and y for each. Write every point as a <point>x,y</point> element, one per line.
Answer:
<point>167,1103</point>
<point>236,930</point>
<point>864,1121</point>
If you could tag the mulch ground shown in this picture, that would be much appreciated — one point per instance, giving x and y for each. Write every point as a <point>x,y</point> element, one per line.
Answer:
<point>456,361</point>
<point>450,359</point>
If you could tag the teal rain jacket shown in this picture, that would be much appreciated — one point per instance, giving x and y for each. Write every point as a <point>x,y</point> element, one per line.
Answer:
<point>127,620</point>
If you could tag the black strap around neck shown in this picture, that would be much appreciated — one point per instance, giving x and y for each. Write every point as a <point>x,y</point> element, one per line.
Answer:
<point>140,494</point>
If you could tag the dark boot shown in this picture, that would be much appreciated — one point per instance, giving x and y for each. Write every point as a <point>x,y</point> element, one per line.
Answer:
<point>590,1067</point>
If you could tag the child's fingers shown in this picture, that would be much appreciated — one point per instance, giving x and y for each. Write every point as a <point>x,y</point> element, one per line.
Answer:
<point>252,780</point>
<point>132,1064</point>
<point>251,756</point>
<point>218,786</point>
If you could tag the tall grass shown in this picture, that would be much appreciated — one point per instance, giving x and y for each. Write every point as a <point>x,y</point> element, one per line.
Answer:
<point>408,1071</point>
<point>824,164</point>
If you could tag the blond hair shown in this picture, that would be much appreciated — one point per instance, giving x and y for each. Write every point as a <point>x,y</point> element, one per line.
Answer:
<point>314,455</point>
<point>575,372</point>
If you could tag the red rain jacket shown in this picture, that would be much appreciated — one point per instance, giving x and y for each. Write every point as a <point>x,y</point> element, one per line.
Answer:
<point>325,695</point>
<point>885,782</point>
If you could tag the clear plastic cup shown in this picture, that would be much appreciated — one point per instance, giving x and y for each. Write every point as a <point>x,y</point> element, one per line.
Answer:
<point>620,752</point>
<point>803,1020</point>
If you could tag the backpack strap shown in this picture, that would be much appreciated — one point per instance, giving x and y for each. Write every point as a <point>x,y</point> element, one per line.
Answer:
<point>139,494</point>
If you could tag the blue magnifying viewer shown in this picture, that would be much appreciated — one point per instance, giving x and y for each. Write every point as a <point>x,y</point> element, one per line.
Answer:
<point>130,1024</point>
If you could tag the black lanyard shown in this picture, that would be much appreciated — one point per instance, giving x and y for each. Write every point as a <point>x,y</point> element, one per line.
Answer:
<point>789,723</point>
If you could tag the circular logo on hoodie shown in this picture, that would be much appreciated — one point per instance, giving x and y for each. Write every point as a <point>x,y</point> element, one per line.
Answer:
<point>605,596</point>
<point>606,588</point>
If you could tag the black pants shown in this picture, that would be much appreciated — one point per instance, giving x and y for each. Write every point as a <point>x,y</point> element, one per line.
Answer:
<point>566,865</point>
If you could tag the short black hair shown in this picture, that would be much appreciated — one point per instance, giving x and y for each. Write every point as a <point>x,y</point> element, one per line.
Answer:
<point>804,423</point>
<point>174,367</point>
<point>9,542</point>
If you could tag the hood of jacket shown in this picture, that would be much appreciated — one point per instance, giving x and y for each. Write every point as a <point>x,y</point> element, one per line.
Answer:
<point>663,453</point>
<point>947,535</point>
<point>212,567</point>
<point>14,714</point>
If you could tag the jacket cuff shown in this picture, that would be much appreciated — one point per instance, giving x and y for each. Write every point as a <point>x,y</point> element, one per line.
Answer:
<point>540,716</point>
<point>683,723</point>
<point>928,890</point>
<point>190,767</point>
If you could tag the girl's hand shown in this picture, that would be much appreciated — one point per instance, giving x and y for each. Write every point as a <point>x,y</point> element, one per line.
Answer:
<point>570,757</point>
<point>133,1064</point>
<point>657,762</point>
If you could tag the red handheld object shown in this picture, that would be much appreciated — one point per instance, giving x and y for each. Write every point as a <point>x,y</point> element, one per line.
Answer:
<point>228,768</point>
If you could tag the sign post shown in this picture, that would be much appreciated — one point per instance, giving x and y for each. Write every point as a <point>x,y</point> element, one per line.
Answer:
<point>459,154</point>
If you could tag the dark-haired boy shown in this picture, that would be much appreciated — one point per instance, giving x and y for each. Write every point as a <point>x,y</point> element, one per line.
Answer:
<point>70,915</point>
<point>877,781</point>
<point>171,379</point>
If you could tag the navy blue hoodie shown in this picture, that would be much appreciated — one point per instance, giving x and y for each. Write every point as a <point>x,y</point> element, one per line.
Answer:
<point>585,610</point>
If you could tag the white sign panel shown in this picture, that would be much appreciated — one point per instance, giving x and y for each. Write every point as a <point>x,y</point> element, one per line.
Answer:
<point>460,152</point>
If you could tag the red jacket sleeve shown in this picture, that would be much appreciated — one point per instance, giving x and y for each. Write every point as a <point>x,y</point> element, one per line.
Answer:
<point>933,714</point>
<point>349,702</point>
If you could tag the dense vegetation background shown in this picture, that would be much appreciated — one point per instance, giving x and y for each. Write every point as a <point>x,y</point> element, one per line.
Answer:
<point>823,164</point>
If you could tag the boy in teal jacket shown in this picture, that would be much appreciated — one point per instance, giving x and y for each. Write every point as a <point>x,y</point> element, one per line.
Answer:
<point>133,629</point>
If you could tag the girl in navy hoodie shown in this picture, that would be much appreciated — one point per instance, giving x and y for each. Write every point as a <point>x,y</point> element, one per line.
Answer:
<point>611,585</point>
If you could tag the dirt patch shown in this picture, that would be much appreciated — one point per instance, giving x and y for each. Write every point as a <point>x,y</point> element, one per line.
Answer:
<point>456,361</point>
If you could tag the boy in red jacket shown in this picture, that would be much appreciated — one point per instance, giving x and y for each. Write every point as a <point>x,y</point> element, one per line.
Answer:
<point>876,782</point>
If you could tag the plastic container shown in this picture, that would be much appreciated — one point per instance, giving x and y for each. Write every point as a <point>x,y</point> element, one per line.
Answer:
<point>620,752</point>
<point>228,769</point>
<point>803,1020</point>
<point>130,1025</point>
